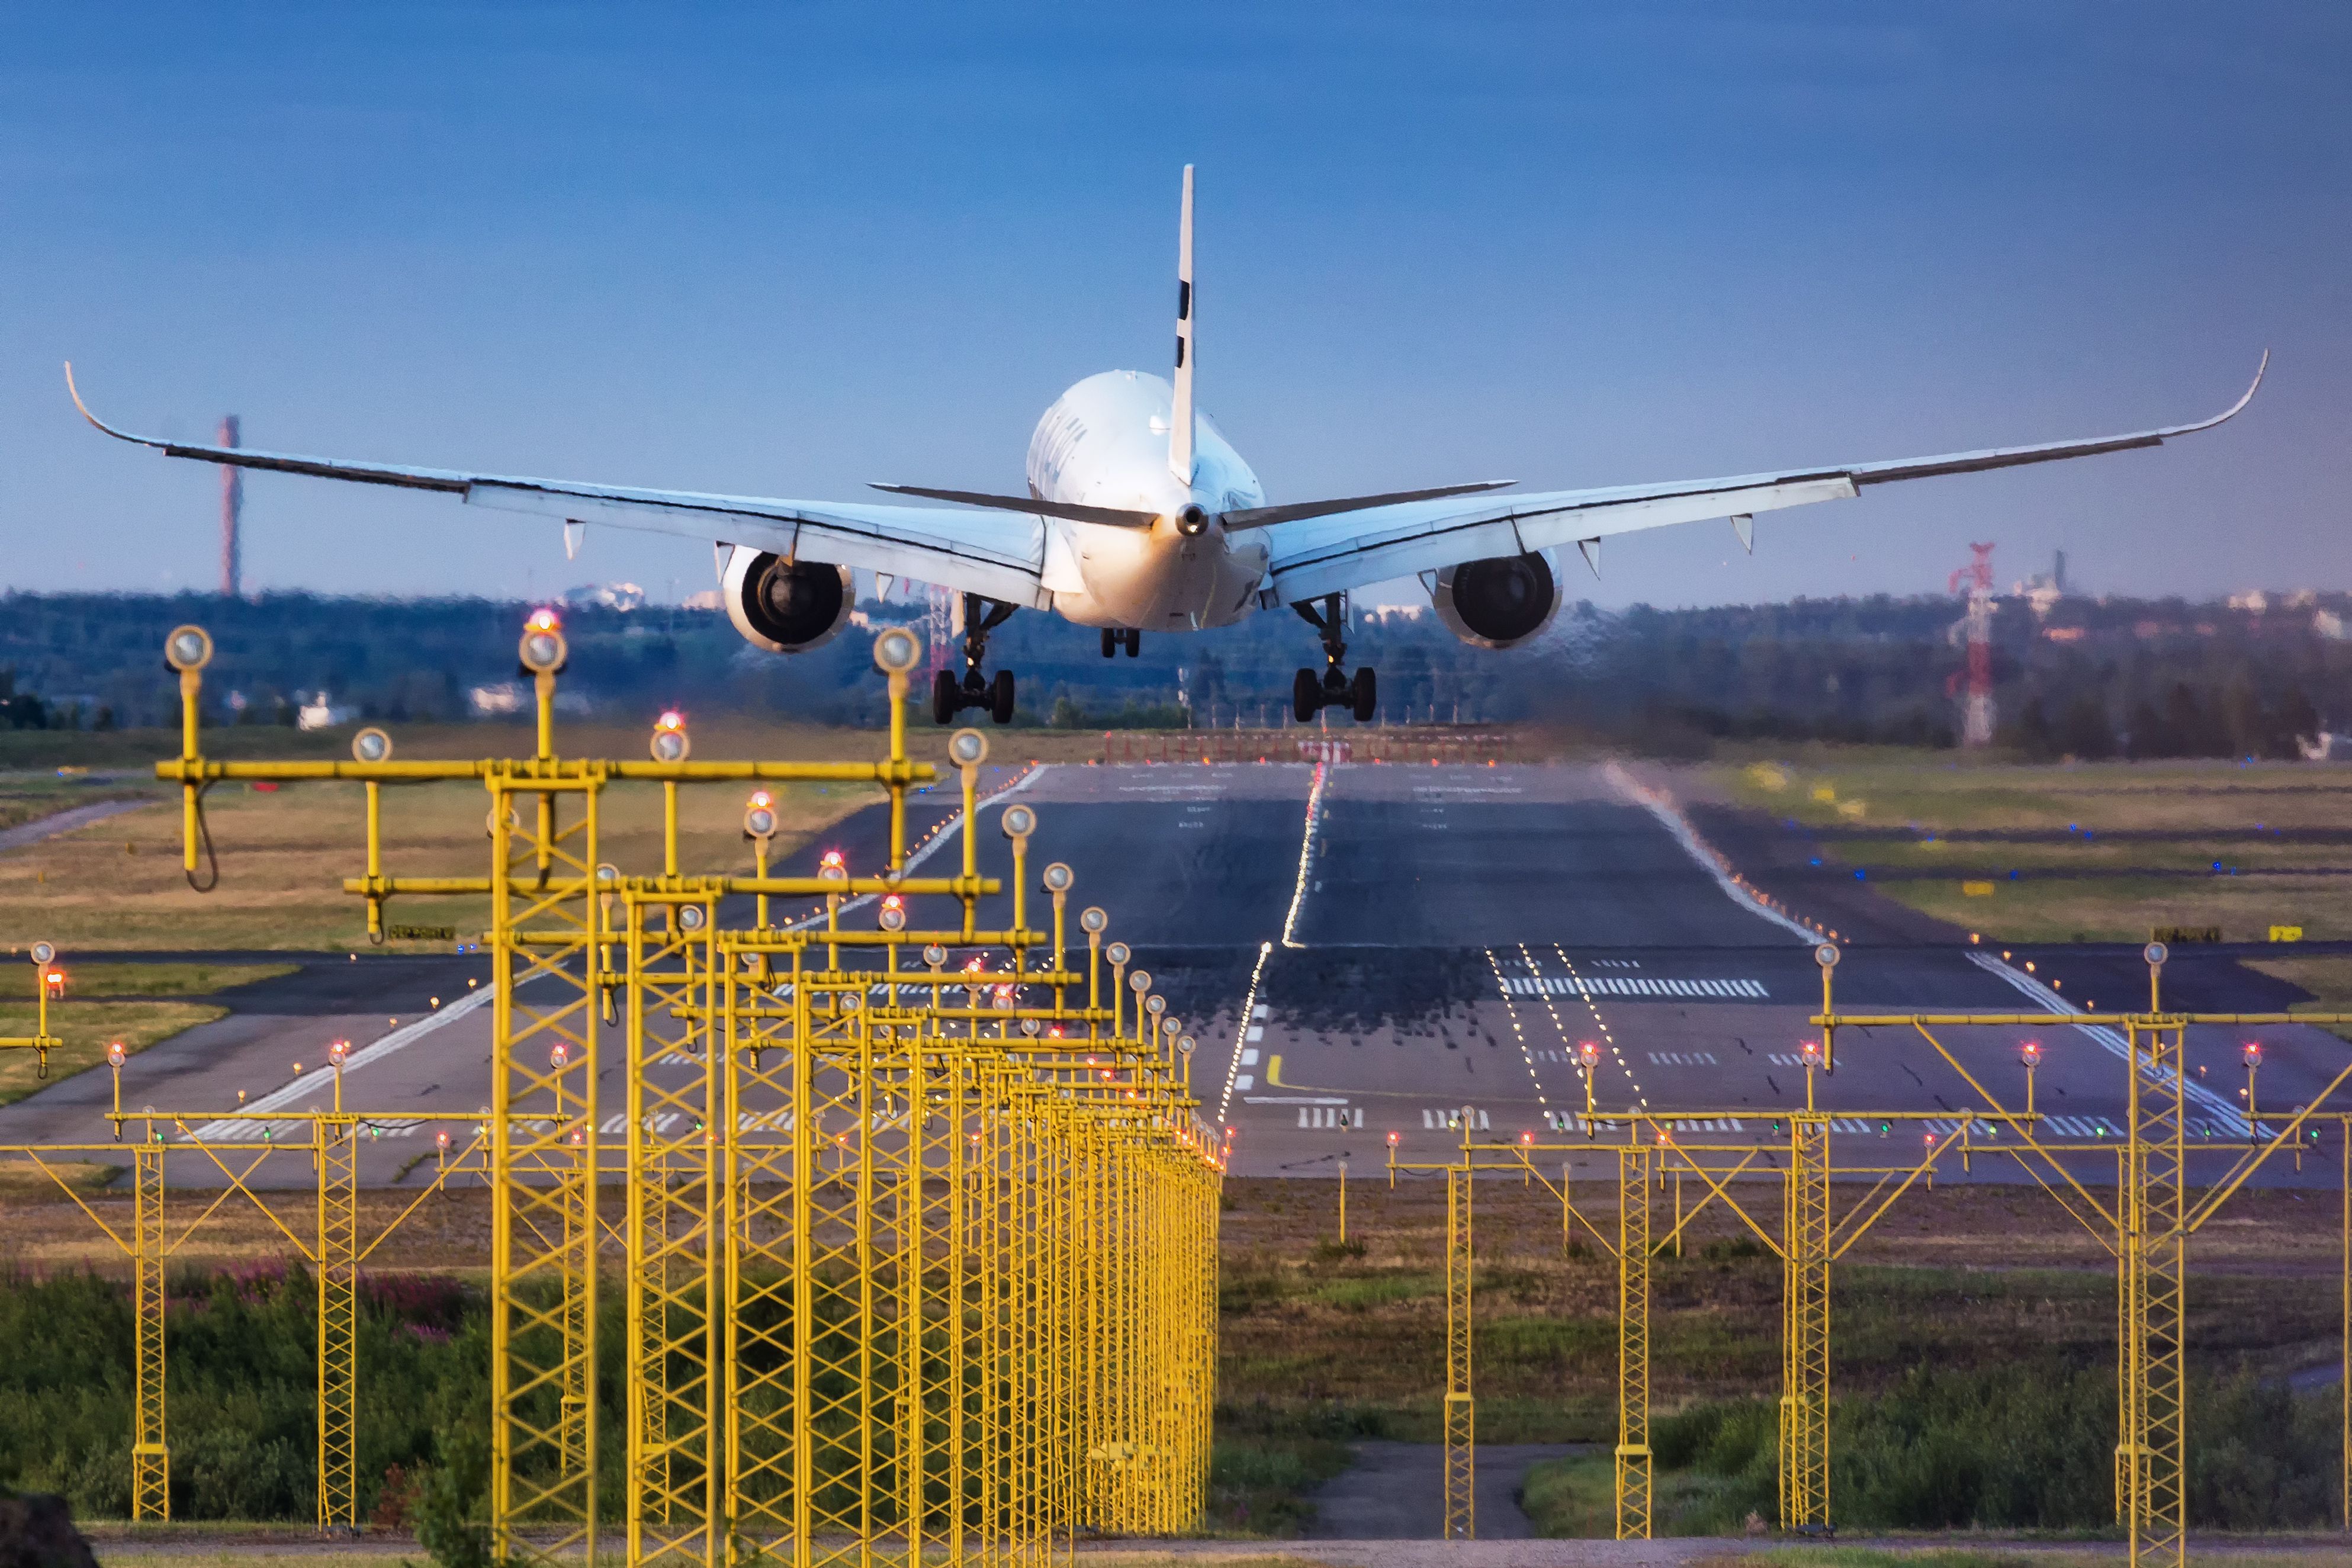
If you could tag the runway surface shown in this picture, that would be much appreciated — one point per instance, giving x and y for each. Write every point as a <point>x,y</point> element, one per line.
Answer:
<point>1366,950</point>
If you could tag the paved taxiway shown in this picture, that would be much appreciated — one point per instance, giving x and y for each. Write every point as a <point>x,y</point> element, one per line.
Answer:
<point>1362,952</point>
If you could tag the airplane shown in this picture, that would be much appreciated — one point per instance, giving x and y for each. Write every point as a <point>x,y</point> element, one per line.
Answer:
<point>1140,516</point>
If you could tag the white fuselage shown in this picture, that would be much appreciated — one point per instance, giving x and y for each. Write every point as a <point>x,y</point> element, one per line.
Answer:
<point>1105,443</point>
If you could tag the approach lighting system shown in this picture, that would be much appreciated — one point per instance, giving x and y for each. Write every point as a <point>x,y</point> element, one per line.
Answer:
<point>188,648</point>
<point>2250,1053</point>
<point>1186,1044</point>
<point>670,741</point>
<point>896,650</point>
<point>968,748</point>
<point>53,980</point>
<point>760,815</point>
<point>1826,956</point>
<point>1117,953</point>
<point>115,1053</point>
<point>372,745</point>
<point>42,953</point>
<point>1139,982</point>
<point>339,1053</point>
<point>2030,1053</point>
<point>894,913</point>
<point>2155,952</point>
<point>1018,822</point>
<point>834,868</point>
<point>1057,877</point>
<point>1588,1052</point>
<point>1811,1051</point>
<point>557,1055</point>
<point>1155,1005</point>
<point>1093,921</point>
<point>542,650</point>
<point>935,955</point>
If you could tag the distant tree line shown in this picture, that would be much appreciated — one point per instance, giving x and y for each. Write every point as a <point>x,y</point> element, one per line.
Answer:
<point>2088,678</point>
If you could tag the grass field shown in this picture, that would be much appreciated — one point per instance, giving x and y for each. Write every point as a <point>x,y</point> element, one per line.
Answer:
<point>2101,851</point>
<point>135,1003</point>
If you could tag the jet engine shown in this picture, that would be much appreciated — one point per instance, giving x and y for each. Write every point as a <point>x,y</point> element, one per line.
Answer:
<point>1497,603</point>
<point>786,606</point>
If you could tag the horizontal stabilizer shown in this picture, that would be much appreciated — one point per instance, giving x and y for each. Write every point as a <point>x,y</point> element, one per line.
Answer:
<point>1262,516</point>
<point>1108,516</point>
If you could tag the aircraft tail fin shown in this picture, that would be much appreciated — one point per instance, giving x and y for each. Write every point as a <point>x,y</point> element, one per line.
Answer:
<point>1180,421</point>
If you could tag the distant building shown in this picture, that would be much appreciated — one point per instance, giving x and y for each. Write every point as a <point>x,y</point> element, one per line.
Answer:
<point>604,596</point>
<point>319,713</point>
<point>2253,600</point>
<point>2044,589</point>
<point>2324,747</point>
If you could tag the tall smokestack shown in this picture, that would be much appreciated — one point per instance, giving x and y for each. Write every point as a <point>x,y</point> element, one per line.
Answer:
<point>232,503</point>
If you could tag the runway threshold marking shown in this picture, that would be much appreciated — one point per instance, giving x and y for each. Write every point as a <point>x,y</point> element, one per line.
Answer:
<point>1639,985</point>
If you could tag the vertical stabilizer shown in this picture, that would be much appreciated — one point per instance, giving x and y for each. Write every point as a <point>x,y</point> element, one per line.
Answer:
<point>1179,420</point>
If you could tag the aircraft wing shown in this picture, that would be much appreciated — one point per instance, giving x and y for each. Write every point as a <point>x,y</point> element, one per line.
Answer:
<point>1000,555</point>
<point>1348,550</point>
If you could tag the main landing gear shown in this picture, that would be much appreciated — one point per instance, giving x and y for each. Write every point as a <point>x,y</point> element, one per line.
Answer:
<point>1309,695</point>
<point>1114,639</point>
<point>951,696</point>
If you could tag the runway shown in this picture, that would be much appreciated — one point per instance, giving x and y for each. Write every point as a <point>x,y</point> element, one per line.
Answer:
<point>1363,952</point>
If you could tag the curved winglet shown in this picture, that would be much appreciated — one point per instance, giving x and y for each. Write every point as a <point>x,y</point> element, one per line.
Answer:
<point>74,393</point>
<point>2234,410</point>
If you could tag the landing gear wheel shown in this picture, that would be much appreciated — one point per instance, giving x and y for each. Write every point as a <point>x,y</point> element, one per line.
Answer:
<point>947,697</point>
<point>1112,639</point>
<point>1306,696</point>
<point>1133,636</point>
<point>1000,698</point>
<point>1365,695</point>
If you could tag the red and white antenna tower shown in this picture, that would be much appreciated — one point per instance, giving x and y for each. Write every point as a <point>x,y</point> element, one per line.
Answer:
<point>232,504</point>
<point>1975,628</point>
<point>939,630</point>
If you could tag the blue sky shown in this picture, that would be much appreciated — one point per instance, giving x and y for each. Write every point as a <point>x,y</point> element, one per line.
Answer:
<point>786,249</point>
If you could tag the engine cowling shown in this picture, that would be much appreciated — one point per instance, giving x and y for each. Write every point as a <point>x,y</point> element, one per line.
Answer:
<point>1497,603</point>
<point>783,605</point>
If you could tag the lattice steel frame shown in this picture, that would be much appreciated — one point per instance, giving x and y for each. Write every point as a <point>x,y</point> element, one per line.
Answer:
<point>1461,1412</point>
<point>1634,1458</point>
<point>1805,1336</point>
<point>335,1139</point>
<point>151,1460</point>
<point>2155,1214</point>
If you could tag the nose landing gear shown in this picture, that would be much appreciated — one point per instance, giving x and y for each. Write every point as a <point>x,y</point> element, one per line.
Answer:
<point>1310,694</point>
<point>951,696</point>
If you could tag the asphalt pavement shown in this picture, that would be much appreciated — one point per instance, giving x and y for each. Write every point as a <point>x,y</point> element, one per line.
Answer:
<point>1364,952</point>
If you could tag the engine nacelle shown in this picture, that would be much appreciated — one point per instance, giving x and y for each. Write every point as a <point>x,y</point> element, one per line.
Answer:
<point>786,606</point>
<point>1497,603</point>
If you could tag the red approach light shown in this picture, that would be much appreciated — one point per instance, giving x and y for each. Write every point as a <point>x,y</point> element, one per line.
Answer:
<point>2251,1053</point>
<point>1588,1052</point>
<point>1811,1051</point>
<point>1527,1137</point>
<point>557,1055</point>
<point>54,981</point>
<point>760,797</point>
<point>545,619</point>
<point>1392,1139</point>
<point>671,719</point>
<point>441,1138</point>
<point>2031,1052</point>
<point>893,901</point>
